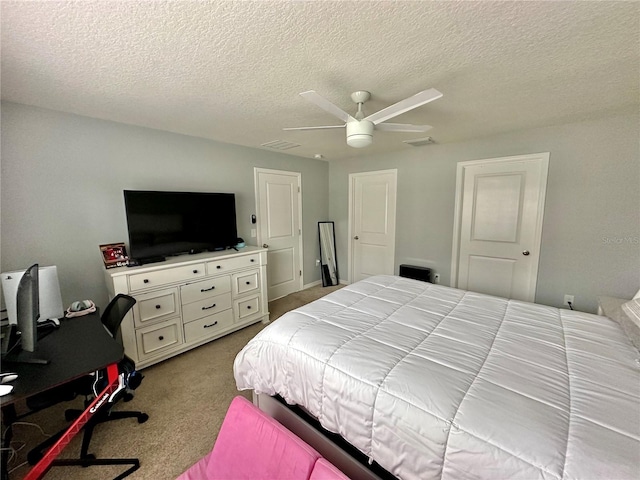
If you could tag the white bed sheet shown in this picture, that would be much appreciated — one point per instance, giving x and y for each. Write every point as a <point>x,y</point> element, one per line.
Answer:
<point>433,382</point>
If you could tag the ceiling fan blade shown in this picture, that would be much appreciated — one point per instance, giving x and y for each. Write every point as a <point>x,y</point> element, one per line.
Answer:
<point>402,127</point>
<point>326,105</point>
<point>405,105</point>
<point>320,127</point>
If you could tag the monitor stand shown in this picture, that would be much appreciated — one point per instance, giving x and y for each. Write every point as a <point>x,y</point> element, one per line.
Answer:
<point>24,357</point>
<point>12,351</point>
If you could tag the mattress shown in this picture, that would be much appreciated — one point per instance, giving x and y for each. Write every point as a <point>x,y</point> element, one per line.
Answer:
<point>432,382</point>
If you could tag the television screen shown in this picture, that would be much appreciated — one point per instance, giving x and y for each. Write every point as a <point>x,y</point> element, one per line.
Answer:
<point>171,223</point>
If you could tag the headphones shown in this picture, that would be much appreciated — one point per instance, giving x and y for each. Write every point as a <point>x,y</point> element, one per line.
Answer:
<point>131,376</point>
<point>82,307</point>
<point>128,380</point>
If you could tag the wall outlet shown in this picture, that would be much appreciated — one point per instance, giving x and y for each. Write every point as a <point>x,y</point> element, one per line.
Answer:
<point>567,299</point>
<point>317,262</point>
<point>254,233</point>
<point>436,278</point>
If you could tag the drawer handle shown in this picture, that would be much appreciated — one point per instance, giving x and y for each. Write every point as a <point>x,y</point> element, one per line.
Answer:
<point>218,267</point>
<point>160,337</point>
<point>195,271</point>
<point>248,307</point>
<point>146,280</point>
<point>248,283</point>
<point>158,307</point>
<point>207,289</point>
<point>207,308</point>
<point>253,260</point>
<point>211,324</point>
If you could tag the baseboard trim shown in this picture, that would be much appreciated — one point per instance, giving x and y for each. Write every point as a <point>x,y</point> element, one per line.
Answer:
<point>312,284</point>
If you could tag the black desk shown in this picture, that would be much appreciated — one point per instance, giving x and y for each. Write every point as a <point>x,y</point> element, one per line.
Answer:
<point>80,346</point>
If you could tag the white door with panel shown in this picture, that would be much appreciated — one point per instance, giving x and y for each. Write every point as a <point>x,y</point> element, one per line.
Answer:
<point>499,212</point>
<point>372,223</point>
<point>278,198</point>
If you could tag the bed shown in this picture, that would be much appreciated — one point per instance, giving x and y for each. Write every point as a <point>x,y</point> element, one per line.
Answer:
<point>433,382</point>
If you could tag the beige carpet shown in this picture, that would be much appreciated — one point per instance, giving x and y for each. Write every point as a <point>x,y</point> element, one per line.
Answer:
<point>186,398</point>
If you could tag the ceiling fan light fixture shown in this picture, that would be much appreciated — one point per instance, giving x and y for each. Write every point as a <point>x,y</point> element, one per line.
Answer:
<point>360,128</point>
<point>359,133</point>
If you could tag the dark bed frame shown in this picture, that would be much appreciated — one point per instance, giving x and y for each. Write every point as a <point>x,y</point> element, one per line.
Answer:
<point>331,446</point>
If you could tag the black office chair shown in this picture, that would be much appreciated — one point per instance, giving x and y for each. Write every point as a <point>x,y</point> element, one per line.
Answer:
<point>112,317</point>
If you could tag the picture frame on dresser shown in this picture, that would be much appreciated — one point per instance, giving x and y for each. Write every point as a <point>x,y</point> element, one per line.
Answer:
<point>114,255</point>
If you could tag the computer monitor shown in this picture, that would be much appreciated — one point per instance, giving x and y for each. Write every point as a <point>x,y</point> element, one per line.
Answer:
<point>28,308</point>
<point>27,314</point>
<point>49,289</point>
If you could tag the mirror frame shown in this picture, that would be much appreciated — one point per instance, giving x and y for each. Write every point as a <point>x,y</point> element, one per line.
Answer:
<point>325,271</point>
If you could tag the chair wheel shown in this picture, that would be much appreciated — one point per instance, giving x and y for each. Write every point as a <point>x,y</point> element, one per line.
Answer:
<point>143,418</point>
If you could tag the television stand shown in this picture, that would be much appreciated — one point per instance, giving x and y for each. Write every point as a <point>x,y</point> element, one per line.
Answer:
<point>189,300</point>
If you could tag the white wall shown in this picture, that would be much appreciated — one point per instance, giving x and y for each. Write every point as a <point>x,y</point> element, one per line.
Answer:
<point>63,176</point>
<point>591,231</point>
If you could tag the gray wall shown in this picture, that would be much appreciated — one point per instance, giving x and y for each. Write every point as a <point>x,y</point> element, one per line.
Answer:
<point>591,231</point>
<point>63,176</point>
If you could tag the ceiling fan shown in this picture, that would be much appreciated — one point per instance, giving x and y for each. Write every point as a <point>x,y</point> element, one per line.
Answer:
<point>360,128</point>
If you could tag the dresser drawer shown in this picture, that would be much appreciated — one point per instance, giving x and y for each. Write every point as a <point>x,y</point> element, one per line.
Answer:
<point>155,306</point>
<point>205,289</point>
<point>208,306</point>
<point>247,282</point>
<point>247,307</point>
<point>157,339</point>
<point>208,326</point>
<point>228,264</point>
<point>140,281</point>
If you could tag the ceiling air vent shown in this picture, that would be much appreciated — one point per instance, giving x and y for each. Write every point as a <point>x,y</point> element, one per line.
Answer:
<point>419,141</point>
<point>280,145</point>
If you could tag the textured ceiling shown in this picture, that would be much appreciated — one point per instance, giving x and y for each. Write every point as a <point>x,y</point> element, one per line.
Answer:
<point>232,70</point>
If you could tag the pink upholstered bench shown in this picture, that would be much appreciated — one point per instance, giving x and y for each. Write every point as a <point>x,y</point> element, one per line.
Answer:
<point>251,445</point>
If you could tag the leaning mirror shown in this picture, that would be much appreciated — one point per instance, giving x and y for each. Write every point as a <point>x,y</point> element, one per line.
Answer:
<point>328,262</point>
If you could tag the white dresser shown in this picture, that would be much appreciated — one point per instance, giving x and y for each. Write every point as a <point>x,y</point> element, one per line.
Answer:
<point>189,300</point>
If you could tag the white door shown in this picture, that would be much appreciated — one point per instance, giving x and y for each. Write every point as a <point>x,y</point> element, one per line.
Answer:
<point>499,211</point>
<point>278,198</point>
<point>372,223</point>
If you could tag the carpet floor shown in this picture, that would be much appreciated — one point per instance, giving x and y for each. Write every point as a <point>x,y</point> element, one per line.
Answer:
<point>186,398</point>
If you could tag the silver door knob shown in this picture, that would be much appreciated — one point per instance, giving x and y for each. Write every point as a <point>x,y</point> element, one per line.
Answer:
<point>356,237</point>
<point>525,253</point>
<point>264,245</point>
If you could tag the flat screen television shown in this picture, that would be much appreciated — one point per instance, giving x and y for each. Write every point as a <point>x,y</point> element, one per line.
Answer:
<point>171,223</point>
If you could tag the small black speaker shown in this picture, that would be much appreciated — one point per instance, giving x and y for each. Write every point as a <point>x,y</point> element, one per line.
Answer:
<point>416,273</point>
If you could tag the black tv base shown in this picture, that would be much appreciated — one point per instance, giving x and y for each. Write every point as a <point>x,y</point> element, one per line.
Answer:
<point>144,261</point>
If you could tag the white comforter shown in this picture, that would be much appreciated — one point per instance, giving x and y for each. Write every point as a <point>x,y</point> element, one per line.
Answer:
<point>434,382</point>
